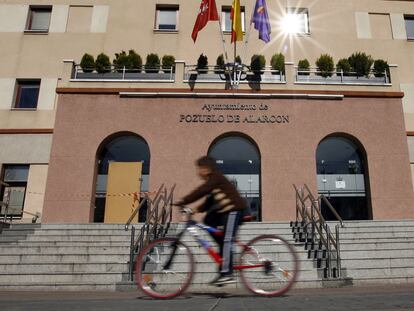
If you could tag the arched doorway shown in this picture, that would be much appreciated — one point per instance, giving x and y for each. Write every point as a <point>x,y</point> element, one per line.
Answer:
<point>120,147</point>
<point>342,177</point>
<point>239,159</point>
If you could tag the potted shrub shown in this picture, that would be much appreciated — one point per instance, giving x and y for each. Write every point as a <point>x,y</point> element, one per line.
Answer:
<point>325,65</point>
<point>361,63</point>
<point>135,61</point>
<point>303,65</point>
<point>257,64</point>
<point>102,63</point>
<point>380,67</point>
<point>219,68</point>
<point>202,64</point>
<point>278,63</point>
<point>87,63</point>
<point>121,61</point>
<point>238,59</point>
<point>168,62</point>
<point>152,64</point>
<point>343,66</point>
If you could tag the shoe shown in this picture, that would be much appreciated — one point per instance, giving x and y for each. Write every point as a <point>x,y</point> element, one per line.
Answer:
<point>224,280</point>
<point>213,282</point>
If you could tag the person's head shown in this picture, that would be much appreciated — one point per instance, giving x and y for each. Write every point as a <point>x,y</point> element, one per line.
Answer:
<point>205,166</point>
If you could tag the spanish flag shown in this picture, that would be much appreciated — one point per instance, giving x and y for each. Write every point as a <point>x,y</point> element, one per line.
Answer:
<point>236,22</point>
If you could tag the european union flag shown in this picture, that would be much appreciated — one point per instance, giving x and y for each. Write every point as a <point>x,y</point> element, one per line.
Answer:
<point>260,19</point>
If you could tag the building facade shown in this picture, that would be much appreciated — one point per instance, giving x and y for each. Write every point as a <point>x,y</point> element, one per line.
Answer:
<point>347,137</point>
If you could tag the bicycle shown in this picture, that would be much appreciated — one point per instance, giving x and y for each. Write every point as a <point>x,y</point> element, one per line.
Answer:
<point>268,264</point>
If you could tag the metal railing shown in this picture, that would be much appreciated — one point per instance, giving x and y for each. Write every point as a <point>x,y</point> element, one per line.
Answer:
<point>316,230</point>
<point>157,223</point>
<point>314,75</point>
<point>6,204</point>
<point>232,73</point>
<point>114,73</point>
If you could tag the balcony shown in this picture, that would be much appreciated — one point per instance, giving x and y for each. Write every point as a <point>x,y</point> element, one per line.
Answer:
<point>113,74</point>
<point>230,73</point>
<point>241,77</point>
<point>315,76</point>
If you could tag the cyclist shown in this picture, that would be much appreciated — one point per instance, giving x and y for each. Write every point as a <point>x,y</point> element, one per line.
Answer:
<point>224,207</point>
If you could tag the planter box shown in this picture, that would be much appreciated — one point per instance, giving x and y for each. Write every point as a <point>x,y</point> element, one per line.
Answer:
<point>128,76</point>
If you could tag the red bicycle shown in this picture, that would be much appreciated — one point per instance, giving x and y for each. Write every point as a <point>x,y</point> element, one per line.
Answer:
<point>268,264</point>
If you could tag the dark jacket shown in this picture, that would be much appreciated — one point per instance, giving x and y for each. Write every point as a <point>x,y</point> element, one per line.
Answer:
<point>222,195</point>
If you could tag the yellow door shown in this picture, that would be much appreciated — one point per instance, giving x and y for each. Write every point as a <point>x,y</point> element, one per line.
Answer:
<point>124,179</point>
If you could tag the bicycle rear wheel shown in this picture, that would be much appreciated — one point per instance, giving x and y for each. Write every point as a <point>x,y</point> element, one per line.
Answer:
<point>158,280</point>
<point>270,265</point>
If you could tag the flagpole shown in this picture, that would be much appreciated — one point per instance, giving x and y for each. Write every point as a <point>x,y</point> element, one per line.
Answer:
<point>224,42</point>
<point>246,41</point>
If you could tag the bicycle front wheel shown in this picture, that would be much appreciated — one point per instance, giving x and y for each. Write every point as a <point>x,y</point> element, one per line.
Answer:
<point>164,268</point>
<point>270,265</point>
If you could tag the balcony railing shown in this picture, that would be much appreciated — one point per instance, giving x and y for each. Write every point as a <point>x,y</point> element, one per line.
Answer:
<point>235,76</point>
<point>238,73</point>
<point>315,76</point>
<point>112,73</point>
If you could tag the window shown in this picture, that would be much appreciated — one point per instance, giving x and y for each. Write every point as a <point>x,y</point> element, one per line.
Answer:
<point>226,21</point>
<point>16,178</point>
<point>166,18</point>
<point>410,140</point>
<point>409,26</point>
<point>27,94</point>
<point>39,18</point>
<point>341,176</point>
<point>239,159</point>
<point>296,21</point>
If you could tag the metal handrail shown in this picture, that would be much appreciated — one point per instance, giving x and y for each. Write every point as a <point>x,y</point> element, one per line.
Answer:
<point>331,208</point>
<point>157,223</point>
<point>309,213</point>
<point>5,203</point>
<point>322,197</point>
<point>136,210</point>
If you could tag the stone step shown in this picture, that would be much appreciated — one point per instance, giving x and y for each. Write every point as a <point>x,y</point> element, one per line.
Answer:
<point>377,246</point>
<point>388,253</point>
<point>381,263</point>
<point>5,246</point>
<point>44,250</point>
<point>365,273</point>
<point>375,229</point>
<point>374,240</point>
<point>377,234</point>
<point>90,238</point>
<point>97,267</point>
<point>65,277</point>
<point>387,280</point>
<point>62,258</point>
<point>60,286</point>
<point>374,223</point>
<point>51,232</point>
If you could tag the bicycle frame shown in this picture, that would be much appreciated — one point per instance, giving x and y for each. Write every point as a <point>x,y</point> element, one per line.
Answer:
<point>192,227</point>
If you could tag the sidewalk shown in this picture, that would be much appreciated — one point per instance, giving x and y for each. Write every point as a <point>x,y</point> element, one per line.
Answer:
<point>389,297</point>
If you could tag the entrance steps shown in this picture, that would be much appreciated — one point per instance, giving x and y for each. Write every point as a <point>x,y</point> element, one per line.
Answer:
<point>95,256</point>
<point>63,257</point>
<point>378,252</point>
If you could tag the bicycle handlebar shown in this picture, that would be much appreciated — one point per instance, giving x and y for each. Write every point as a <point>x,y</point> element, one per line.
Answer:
<point>185,210</point>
